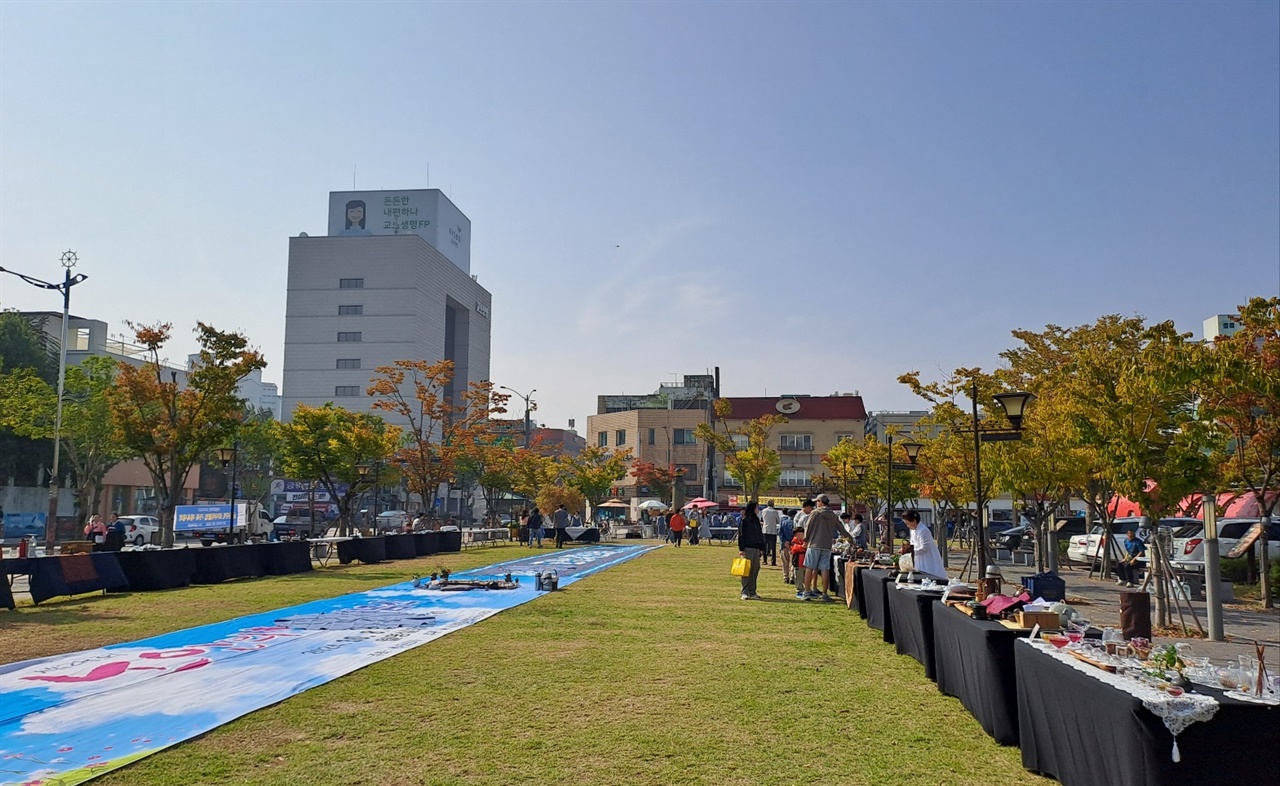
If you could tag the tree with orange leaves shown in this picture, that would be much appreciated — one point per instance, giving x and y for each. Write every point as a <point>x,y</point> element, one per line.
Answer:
<point>169,425</point>
<point>441,433</point>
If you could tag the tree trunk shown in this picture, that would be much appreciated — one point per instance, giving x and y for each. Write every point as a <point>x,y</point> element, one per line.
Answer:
<point>1264,559</point>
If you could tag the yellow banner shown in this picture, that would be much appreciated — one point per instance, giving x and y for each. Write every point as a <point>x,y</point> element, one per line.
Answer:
<point>778,502</point>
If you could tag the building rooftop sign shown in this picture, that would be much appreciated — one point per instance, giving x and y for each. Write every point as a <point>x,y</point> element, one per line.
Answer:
<point>425,212</point>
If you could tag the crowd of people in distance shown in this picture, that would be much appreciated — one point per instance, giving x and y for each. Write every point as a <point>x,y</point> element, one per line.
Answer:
<point>806,541</point>
<point>533,524</point>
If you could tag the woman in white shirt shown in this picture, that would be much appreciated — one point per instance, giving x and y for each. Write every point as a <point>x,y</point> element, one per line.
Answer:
<point>923,548</point>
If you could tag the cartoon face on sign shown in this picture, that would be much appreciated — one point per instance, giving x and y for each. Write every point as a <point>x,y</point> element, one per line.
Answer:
<point>355,219</point>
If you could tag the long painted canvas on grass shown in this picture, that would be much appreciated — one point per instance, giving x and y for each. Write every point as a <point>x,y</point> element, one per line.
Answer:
<point>68,718</point>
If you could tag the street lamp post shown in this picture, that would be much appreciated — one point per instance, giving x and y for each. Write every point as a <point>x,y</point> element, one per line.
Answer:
<point>1014,405</point>
<point>913,451</point>
<point>231,456</point>
<point>69,260</point>
<point>527,407</point>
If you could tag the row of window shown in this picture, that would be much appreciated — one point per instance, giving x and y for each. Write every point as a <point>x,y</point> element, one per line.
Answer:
<point>790,478</point>
<point>792,442</point>
<point>679,436</point>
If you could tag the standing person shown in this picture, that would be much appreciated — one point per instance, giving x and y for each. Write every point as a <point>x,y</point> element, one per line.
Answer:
<point>750,545</point>
<point>692,526</point>
<point>115,533</point>
<point>676,523</point>
<point>524,525</point>
<point>662,526</point>
<point>1127,568</point>
<point>786,528</point>
<point>859,532</point>
<point>770,521</point>
<point>561,519</point>
<point>820,528</point>
<point>535,527</point>
<point>796,557</point>
<point>922,547</point>
<point>96,531</point>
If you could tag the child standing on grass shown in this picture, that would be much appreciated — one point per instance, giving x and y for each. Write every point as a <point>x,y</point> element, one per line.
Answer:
<point>798,546</point>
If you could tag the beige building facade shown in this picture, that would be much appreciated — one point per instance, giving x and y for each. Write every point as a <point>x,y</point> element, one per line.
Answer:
<point>662,436</point>
<point>815,424</point>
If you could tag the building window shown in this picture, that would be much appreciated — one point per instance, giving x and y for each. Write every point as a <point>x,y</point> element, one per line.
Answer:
<point>351,283</point>
<point>796,442</point>
<point>794,477</point>
<point>78,339</point>
<point>348,362</point>
<point>345,338</point>
<point>602,439</point>
<point>348,311</point>
<point>653,435</point>
<point>346,390</point>
<point>740,442</point>
<point>684,436</point>
<point>730,481</point>
<point>689,471</point>
<point>621,437</point>
<point>844,438</point>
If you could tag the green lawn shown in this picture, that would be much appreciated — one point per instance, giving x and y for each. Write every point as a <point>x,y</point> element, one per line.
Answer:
<point>651,672</point>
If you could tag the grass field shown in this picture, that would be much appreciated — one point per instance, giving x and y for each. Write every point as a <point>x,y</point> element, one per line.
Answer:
<point>651,672</point>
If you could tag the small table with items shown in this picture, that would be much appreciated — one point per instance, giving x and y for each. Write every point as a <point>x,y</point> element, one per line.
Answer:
<point>723,534</point>
<point>1087,727</point>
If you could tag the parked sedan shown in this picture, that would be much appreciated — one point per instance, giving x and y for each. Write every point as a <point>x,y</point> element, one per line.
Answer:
<point>1087,549</point>
<point>139,530</point>
<point>1188,542</point>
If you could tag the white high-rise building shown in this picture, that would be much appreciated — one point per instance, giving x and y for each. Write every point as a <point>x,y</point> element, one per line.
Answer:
<point>1221,325</point>
<point>390,282</point>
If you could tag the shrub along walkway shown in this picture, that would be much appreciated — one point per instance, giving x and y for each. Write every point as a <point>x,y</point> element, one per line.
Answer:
<point>652,672</point>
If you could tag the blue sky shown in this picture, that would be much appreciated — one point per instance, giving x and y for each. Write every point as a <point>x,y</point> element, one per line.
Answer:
<point>814,197</point>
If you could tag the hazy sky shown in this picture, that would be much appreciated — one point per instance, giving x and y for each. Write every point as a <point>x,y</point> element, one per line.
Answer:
<point>813,197</point>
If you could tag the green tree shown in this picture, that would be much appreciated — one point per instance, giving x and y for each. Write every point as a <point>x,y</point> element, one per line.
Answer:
<point>1239,390</point>
<point>88,437</point>
<point>21,349</point>
<point>748,455</point>
<point>172,426</point>
<point>594,472</point>
<point>331,445</point>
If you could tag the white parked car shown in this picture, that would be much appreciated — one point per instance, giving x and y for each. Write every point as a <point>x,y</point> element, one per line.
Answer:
<point>1188,542</point>
<point>138,530</point>
<point>1087,549</point>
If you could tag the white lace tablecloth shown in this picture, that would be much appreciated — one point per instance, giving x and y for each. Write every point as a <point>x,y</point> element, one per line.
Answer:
<point>1177,712</point>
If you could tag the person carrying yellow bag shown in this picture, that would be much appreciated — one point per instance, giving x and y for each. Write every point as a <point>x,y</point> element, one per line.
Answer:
<point>750,546</point>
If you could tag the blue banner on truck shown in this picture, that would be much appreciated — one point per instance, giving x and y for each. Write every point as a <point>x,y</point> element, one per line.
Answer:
<point>194,518</point>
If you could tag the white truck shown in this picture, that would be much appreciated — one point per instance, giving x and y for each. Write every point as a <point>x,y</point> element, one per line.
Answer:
<point>214,523</point>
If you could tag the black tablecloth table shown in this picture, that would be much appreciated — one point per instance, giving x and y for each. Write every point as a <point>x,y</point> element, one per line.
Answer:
<point>874,585</point>
<point>859,591</point>
<point>973,661</point>
<point>450,542</point>
<point>426,543</point>
<point>911,612</point>
<point>216,564</point>
<point>74,574</point>
<point>158,570</point>
<point>13,566</point>
<point>587,535</point>
<point>400,547</point>
<point>1085,732</point>
<point>367,550</point>
<point>285,558</point>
